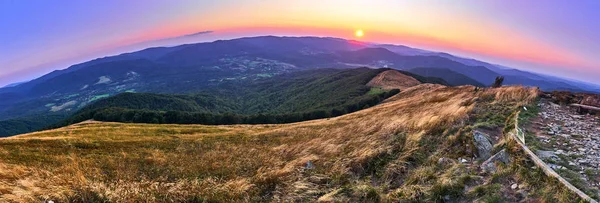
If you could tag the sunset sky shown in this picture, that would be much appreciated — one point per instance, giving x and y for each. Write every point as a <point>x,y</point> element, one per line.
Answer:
<point>555,37</point>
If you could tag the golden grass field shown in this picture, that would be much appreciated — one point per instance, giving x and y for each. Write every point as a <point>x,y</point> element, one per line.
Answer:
<point>385,153</point>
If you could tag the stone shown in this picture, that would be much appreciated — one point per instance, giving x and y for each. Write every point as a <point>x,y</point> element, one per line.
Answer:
<point>444,161</point>
<point>545,155</point>
<point>577,116</point>
<point>318,179</point>
<point>490,164</point>
<point>483,145</point>
<point>522,194</point>
<point>553,166</point>
<point>309,165</point>
<point>489,167</point>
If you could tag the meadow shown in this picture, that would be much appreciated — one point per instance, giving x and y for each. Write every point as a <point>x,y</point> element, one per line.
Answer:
<point>389,152</point>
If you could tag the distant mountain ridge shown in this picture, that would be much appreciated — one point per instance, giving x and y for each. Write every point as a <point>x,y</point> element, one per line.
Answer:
<point>191,68</point>
<point>14,84</point>
<point>517,77</point>
<point>453,78</point>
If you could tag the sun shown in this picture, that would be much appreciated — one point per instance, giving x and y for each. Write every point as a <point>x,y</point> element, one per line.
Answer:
<point>359,33</point>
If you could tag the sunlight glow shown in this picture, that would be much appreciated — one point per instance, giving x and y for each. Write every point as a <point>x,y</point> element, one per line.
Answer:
<point>359,33</point>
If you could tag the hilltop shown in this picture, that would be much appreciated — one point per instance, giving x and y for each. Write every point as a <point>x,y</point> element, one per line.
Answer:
<point>415,146</point>
<point>392,79</point>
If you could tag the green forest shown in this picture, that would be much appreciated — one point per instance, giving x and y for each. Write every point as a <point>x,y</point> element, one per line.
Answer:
<point>116,114</point>
<point>293,97</point>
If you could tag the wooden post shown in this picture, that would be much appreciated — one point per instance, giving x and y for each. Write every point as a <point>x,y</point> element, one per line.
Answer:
<point>581,106</point>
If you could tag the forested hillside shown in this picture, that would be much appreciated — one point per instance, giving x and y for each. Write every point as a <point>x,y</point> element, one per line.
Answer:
<point>293,97</point>
<point>28,124</point>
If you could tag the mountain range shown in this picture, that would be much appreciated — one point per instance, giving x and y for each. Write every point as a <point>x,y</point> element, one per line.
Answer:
<point>193,68</point>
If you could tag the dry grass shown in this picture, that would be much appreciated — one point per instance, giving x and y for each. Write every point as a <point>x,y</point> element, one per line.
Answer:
<point>387,152</point>
<point>393,79</point>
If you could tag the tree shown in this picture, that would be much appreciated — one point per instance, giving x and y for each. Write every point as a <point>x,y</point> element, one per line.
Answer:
<point>498,82</point>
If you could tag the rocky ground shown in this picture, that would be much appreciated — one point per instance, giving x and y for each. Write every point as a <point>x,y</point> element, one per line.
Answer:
<point>569,142</point>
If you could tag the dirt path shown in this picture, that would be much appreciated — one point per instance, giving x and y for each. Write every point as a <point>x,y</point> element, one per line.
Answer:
<point>569,143</point>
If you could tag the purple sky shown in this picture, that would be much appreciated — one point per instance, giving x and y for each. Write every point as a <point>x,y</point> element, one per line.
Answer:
<point>555,37</point>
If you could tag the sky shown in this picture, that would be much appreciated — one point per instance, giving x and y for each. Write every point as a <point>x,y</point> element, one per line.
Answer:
<point>556,37</point>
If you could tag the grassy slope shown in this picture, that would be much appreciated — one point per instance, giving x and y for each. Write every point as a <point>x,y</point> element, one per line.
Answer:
<point>385,153</point>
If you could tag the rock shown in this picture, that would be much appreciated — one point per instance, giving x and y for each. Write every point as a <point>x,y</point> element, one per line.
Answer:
<point>545,155</point>
<point>483,145</point>
<point>489,167</point>
<point>318,179</point>
<point>444,161</point>
<point>555,167</point>
<point>309,165</point>
<point>490,164</point>
<point>514,186</point>
<point>522,194</point>
<point>566,136</point>
<point>577,116</point>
